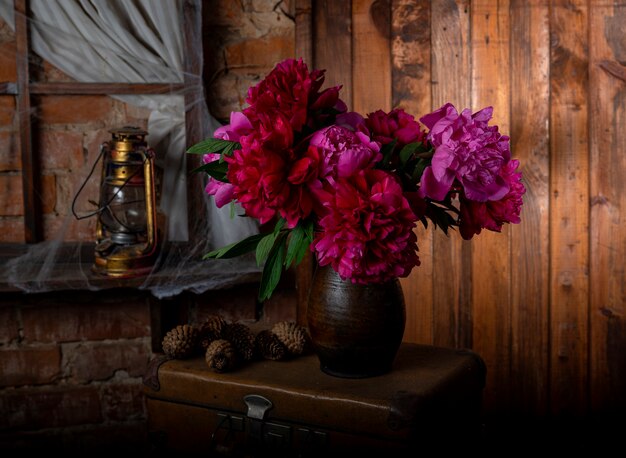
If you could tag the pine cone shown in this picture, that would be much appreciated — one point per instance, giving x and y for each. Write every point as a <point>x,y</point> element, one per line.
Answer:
<point>269,346</point>
<point>242,338</point>
<point>292,335</point>
<point>221,356</point>
<point>180,342</point>
<point>210,330</point>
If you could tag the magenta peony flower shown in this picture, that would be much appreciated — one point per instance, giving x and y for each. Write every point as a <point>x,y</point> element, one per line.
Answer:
<point>222,192</point>
<point>344,152</point>
<point>367,233</point>
<point>492,215</point>
<point>397,124</point>
<point>467,149</point>
<point>291,89</point>
<point>239,125</point>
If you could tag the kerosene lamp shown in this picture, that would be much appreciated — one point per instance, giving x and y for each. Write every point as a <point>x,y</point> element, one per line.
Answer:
<point>126,230</point>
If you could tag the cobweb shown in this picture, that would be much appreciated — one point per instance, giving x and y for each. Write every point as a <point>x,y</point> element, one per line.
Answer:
<point>104,41</point>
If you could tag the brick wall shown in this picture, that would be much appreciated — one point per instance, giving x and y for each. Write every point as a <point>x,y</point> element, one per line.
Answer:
<point>71,363</point>
<point>71,367</point>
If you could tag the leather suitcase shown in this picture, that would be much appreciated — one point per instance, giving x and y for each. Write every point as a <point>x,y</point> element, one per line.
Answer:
<point>432,398</point>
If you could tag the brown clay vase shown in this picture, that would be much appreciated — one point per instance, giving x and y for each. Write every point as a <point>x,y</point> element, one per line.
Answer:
<point>355,330</point>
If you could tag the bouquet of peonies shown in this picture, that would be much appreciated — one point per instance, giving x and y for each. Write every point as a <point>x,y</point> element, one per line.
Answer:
<point>350,188</point>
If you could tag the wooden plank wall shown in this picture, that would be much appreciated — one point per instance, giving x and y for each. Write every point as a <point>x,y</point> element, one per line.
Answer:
<point>543,302</point>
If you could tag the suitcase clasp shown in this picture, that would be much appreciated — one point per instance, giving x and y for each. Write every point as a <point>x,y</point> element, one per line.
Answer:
<point>257,406</point>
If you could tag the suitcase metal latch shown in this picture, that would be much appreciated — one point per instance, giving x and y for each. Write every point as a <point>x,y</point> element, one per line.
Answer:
<point>257,406</point>
<point>263,433</point>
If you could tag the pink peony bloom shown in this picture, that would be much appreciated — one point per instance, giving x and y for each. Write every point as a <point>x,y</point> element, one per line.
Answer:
<point>222,192</point>
<point>239,125</point>
<point>492,215</point>
<point>367,233</point>
<point>467,150</point>
<point>397,124</point>
<point>344,152</point>
<point>294,91</point>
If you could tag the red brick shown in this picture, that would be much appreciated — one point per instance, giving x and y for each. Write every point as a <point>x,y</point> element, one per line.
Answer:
<point>51,73</point>
<point>30,365</point>
<point>48,193</point>
<point>11,196</point>
<point>9,326</point>
<point>137,116</point>
<point>123,402</point>
<point>69,231</point>
<point>7,110</point>
<point>70,109</point>
<point>94,138</point>
<point>12,230</point>
<point>100,361</point>
<point>87,199</point>
<point>11,200</point>
<point>9,158</point>
<point>61,150</point>
<point>7,61</point>
<point>224,96</point>
<point>84,315</point>
<point>32,409</point>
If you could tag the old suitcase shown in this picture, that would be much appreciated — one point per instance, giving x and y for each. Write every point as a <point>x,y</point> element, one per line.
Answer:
<point>291,408</point>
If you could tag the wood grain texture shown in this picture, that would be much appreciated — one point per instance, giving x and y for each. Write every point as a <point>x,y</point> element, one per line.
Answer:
<point>194,125</point>
<point>304,50</point>
<point>33,224</point>
<point>333,44</point>
<point>410,76</point>
<point>569,210</point>
<point>371,65</point>
<point>530,61</point>
<point>304,31</point>
<point>77,88</point>
<point>452,273</point>
<point>491,256</point>
<point>607,95</point>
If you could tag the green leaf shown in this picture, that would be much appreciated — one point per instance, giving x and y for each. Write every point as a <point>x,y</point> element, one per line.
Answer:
<point>387,151</point>
<point>408,151</point>
<point>216,169</point>
<point>419,170</point>
<point>266,244</point>
<point>264,247</point>
<point>299,241</point>
<point>273,268</point>
<point>213,145</point>
<point>228,151</point>
<point>236,249</point>
<point>279,225</point>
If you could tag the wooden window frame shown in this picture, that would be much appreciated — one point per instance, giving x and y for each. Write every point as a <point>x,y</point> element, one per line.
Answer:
<point>23,89</point>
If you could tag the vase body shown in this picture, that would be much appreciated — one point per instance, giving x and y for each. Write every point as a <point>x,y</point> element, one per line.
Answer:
<point>355,330</point>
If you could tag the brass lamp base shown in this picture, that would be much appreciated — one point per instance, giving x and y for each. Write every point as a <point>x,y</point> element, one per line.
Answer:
<point>123,261</point>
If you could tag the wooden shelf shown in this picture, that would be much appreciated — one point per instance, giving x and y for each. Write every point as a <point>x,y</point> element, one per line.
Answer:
<point>76,273</point>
